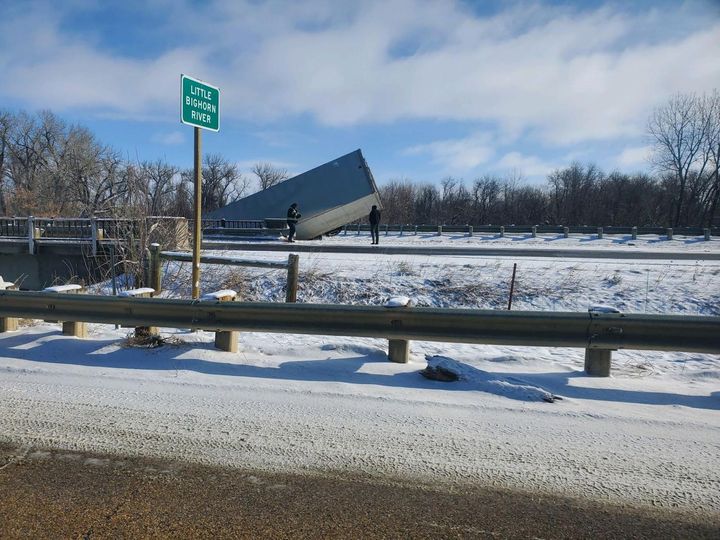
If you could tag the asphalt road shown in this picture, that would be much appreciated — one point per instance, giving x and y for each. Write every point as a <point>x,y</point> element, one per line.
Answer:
<point>316,246</point>
<point>61,494</point>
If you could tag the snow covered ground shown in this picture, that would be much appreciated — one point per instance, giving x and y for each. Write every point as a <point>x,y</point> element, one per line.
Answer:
<point>649,435</point>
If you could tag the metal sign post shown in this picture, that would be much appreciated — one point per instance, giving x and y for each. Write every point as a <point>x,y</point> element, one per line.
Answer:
<point>200,106</point>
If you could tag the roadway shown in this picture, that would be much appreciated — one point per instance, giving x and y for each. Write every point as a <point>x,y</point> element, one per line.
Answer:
<point>52,493</point>
<point>320,247</point>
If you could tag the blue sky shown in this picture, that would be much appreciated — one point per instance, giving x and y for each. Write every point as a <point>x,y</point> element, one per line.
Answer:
<point>427,89</point>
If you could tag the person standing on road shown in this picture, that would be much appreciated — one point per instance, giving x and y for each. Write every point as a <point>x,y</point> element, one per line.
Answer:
<point>374,218</point>
<point>293,215</point>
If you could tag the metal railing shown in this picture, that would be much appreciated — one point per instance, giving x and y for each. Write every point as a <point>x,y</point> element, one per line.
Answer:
<point>597,333</point>
<point>292,266</point>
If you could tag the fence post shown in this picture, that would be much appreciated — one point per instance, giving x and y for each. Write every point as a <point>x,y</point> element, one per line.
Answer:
<point>470,230</point>
<point>292,278</point>
<point>600,232</point>
<point>534,231</point>
<point>399,350</point>
<point>387,227</point>
<point>439,230</point>
<point>566,231</point>
<point>502,231</point>
<point>358,231</point>
<point>597,362</point>
<point>155,268</point>
<point>344,230</point>
<point>401,229</point>
<point>415,230</point>
<point>669,234</point>
<point>707,234</point>
<point>633,233</point>
<point>31,234</point>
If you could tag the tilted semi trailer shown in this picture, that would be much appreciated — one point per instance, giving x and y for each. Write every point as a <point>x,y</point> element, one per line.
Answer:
<point>328,197</point>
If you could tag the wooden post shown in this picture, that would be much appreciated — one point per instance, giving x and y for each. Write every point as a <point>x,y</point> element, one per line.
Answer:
<point>633,233</point>
<point>470,230</point>
<point>597,362</point>
<point>401,229</point>
<point>502,231</point>
<point>533,231</point>
<point>669,234</point>
<point>566,231</point>
<point>146,292</point>
<point>70,328</point>
<point>292,278</point>
<point>707,234</point>
<point>358,231</point>
<point>439,230</point>
<point>7,324</point>
<point>415,230</point>
<point>198,216</point>
<point>600,232</point>
<point>399,350</point>
<point>225,340</point>
<point>155,268</point>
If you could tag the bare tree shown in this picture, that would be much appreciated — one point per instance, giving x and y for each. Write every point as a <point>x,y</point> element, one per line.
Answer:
<point>678,130</point>
<point>222,182</point>
<point>269,175</point>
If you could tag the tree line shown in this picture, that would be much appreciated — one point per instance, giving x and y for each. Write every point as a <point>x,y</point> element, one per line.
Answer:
<point>51,168</point>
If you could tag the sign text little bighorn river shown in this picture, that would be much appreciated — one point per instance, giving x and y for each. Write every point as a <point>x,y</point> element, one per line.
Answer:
<point>200,104</point>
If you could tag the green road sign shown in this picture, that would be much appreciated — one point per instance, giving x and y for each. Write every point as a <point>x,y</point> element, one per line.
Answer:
<point>200,104</point>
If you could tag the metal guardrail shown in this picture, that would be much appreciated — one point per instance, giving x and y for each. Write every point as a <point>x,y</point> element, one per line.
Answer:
<point>597,333</point>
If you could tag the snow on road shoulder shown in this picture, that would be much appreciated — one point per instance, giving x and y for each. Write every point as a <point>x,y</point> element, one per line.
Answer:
<point>646,436</point>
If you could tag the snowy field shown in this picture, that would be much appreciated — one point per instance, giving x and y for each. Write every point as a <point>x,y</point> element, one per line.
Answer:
<point>649,435</point>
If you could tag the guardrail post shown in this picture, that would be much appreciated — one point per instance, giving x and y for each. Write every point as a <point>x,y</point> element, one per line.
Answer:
<point>358,231</point>
<point>669,233</point>
<point>600,232</point>
<point>707,234</point>
<point>399,350</point>
<point>439,230</point>
<point>597,362</point>
<point>534,231</point>
<point>566,231</point>
<point>142,331</point>
<point>401,229</point>
<point>470,230</point>
<point>633,233</point>
<point>387,228</point>
<point>292,278</point>
<point>71,328</point>
<point>502,231</point>
<point>415,230</point>
<point>7,324</point>
<point>344,230</point>
<point>225,340</point>
<point>155,268</point>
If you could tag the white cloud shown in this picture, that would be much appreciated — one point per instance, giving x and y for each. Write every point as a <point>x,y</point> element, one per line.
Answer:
<point>560,74</point>
<point>457,155</point>
<point>171,139</point>
<point>531,166</point>
<point>634,156</point>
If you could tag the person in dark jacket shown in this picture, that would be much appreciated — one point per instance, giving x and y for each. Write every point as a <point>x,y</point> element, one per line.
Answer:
<point>292,218</point>
<point>375,224</point>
